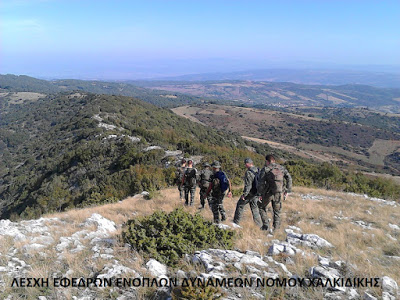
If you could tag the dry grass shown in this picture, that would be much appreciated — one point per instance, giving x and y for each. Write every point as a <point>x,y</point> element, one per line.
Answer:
<point>363,248</point>
<point>366,250</point>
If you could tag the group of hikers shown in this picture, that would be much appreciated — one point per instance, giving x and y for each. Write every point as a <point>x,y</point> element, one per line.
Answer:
<point>270,184</point>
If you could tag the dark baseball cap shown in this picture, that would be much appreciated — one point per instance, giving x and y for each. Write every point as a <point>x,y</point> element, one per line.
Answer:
<point>248,161</point>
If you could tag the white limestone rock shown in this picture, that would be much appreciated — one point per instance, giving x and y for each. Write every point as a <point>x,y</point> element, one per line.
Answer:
<point>252,270</point>
<point>276,249</point>
<point>10,228</point>
<point>389,285</point>
<point>363,224</point>
<point>172,153</point>
<point>368,296</point>
<point>253,253</point>
<point>156,268</point>
<point>284,247</point>
<point>352,294</point>
<point>181,274</point>
<point>223,226</point>
<point>253,260</point>
<point>114,270</point>
<point>294,228</point>
<point>388,296</point>
<point>204,258</point>
<point>103,225</point>
<point>394,226</point>
<point>316,240</point>
<point>324,261</point>
<point>391,237</point>
<point>325,272</point>
<point>152,148</point>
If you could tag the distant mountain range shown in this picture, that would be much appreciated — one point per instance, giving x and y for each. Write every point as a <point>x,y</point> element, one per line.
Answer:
<point>22,83</point>
<point>285,94</point>
<point>316,76</point>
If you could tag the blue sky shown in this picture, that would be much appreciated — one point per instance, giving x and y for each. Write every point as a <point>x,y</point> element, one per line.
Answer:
<point>122,39</point>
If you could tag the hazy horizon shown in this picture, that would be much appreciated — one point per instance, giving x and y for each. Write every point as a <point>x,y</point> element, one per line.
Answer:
<point>153,39</point>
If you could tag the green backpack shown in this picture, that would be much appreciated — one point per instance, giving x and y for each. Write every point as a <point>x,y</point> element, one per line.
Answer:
<point>274,178</point>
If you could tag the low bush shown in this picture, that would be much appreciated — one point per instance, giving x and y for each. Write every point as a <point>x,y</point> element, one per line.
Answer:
<point>167,237</point>
<point>197,293</point>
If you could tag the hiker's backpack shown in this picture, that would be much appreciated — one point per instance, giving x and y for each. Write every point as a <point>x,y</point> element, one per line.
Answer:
<point>223,181</point>
<point>274,178</point>
<point>205,178</point>
<point>255,181</point>
<point>179,175</point>
<point>190,177</point>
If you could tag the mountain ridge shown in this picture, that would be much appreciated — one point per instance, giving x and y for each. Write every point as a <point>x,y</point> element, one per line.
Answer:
<point>300,76</point>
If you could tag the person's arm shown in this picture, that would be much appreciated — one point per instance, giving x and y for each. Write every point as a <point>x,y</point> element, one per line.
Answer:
<point>209,189</point>
<point>230,189</point>
<point>248,183</point>
<point>289,183</point>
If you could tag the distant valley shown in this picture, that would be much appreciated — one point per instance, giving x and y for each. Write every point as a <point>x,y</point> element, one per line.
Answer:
<point>264,94</point>
<point>357,138</point>
<point>384,77</point>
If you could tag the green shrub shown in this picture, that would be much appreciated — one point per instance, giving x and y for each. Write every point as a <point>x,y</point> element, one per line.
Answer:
<point>167,237</point>
<point>197,293</point>
<point>330,176</point>
<point>237,192</point>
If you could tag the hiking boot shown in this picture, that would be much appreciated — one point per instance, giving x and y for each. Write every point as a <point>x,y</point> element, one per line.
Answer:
<point>223,218</point>
<point>201,207</point>
<point>264,227</point>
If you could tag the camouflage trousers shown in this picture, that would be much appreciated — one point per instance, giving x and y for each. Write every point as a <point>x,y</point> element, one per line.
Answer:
<point>191,191</point>
<point>217,208</point>
<point>276,200</point>
<point>181,191</point>
<point>203,197</point>
<point>252,201</point>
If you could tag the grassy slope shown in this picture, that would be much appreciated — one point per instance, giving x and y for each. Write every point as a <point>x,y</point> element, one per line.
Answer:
<point>364,249</point>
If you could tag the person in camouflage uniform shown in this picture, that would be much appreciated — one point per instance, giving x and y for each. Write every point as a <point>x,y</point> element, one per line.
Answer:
<point>274,182</point>
<point>179,178</point>
<point>217,193</point>
<point>204,183</point>
<point>189,183</point>
<point>249,195</point>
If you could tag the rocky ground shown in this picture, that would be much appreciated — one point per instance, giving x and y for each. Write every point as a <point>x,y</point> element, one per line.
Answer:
<point>75,256</point>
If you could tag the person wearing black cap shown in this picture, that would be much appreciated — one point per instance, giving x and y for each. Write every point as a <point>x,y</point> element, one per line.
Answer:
<point>219,186</point>
<point>189,182</point>
<point>204,183</point>
<point>179,178</point>
<point>249,195</point>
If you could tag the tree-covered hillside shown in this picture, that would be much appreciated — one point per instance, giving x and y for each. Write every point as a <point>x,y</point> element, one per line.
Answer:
<point>74,149</point>
<point>13,83</point>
